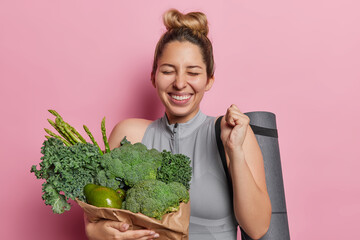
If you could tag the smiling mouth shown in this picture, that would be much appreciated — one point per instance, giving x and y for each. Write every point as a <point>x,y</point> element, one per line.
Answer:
<point>180,97</point>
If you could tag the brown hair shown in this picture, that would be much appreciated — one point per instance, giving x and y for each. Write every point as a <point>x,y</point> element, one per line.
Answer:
<point>191,27</point>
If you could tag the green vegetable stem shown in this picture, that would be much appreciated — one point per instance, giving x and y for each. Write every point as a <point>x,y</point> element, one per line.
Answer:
<point>70,136</point>
<point>64,133</point>
<point>57,136</point>
<point>92,139</point>
<point>76,133</point>
<point>103,131</point>
<point>68,132</point>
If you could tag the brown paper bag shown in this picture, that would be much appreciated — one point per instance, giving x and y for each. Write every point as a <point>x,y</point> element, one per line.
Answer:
<point>173,225</point>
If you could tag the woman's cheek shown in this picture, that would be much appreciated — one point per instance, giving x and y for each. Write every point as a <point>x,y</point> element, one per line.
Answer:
<point>165,81</point>
<point>198,85</point>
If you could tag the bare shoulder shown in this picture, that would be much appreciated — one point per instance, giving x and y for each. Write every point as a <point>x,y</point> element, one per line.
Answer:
<point>133,129</point>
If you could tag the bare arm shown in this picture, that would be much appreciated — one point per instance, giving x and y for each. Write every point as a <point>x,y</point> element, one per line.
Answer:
<point>133,128</point>
<point>251,200</point>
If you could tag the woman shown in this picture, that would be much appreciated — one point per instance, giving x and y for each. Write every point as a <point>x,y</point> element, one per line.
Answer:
<point>183,70</point>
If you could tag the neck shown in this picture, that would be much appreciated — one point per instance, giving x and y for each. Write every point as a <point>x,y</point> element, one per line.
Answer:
<point>180,119</point>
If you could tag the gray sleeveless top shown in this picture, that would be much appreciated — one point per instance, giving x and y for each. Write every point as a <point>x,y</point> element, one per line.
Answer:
<point>212,215</point>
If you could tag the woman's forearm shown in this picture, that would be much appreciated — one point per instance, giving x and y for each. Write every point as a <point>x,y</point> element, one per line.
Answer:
<point>251,204</point>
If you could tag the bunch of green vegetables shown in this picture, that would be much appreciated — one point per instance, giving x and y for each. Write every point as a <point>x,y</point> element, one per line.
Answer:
<point>69,135</point>
<point>155,182</point>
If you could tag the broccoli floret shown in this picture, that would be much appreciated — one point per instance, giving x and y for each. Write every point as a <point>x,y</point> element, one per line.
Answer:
<point>154,198</point>
<point>175,168</point>
<point>107,179</point>
<point>131,163</point>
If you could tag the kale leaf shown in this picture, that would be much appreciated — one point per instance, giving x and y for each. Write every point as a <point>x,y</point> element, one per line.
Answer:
<point>175,168</point>
<point>66,170</point>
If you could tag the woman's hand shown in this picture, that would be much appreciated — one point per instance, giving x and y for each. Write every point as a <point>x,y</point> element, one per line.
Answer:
<point>234,127</point>
<point>107,229</point>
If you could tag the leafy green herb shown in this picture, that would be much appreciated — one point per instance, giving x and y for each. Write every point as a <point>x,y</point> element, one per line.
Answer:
<point>175,168</point>
<point>66,169</point>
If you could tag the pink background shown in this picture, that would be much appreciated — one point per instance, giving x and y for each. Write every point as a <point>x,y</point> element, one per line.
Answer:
<point>89,59</point>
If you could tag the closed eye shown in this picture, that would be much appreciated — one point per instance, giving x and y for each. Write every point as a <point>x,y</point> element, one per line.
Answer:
<point>167,72</point>
<point>193,73</point>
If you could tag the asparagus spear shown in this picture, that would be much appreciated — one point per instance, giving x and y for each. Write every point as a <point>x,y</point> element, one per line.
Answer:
<point>56,136</point>
<point>58,125</point>
<point>103,131</point>
<point>68,127</point>
<point>92,138</point>
<point>72,136</point>
<point>53,112</point>
<point>70,133</point>
<point>76,132</point>
<point>57,129</point>
<point>63,131</point>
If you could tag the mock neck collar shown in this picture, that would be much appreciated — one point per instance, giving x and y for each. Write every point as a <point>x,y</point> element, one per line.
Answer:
<point>186,128</point>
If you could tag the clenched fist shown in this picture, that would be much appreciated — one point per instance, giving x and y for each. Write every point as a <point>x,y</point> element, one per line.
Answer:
<point>234,127</point>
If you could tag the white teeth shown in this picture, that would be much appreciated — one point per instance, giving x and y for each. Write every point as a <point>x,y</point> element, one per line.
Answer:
<point>179,98</point>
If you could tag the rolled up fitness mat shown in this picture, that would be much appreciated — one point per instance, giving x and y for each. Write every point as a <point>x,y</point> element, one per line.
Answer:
<point>264,126</point>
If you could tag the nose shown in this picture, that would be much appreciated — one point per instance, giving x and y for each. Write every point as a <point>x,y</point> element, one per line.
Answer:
<point>180,81</point>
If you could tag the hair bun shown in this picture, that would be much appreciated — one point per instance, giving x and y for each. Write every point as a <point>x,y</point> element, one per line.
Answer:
<point>195,21</point>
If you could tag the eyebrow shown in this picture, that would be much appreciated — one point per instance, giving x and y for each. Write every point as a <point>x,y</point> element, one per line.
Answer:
<point>195,66</point>
<point>170,65</point>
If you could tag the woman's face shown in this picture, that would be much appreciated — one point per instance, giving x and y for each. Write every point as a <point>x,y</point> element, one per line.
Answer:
<point>181,80</point>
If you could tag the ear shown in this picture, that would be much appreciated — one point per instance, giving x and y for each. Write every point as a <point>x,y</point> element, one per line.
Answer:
<point>209,84</point>
<point>152,79</point>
